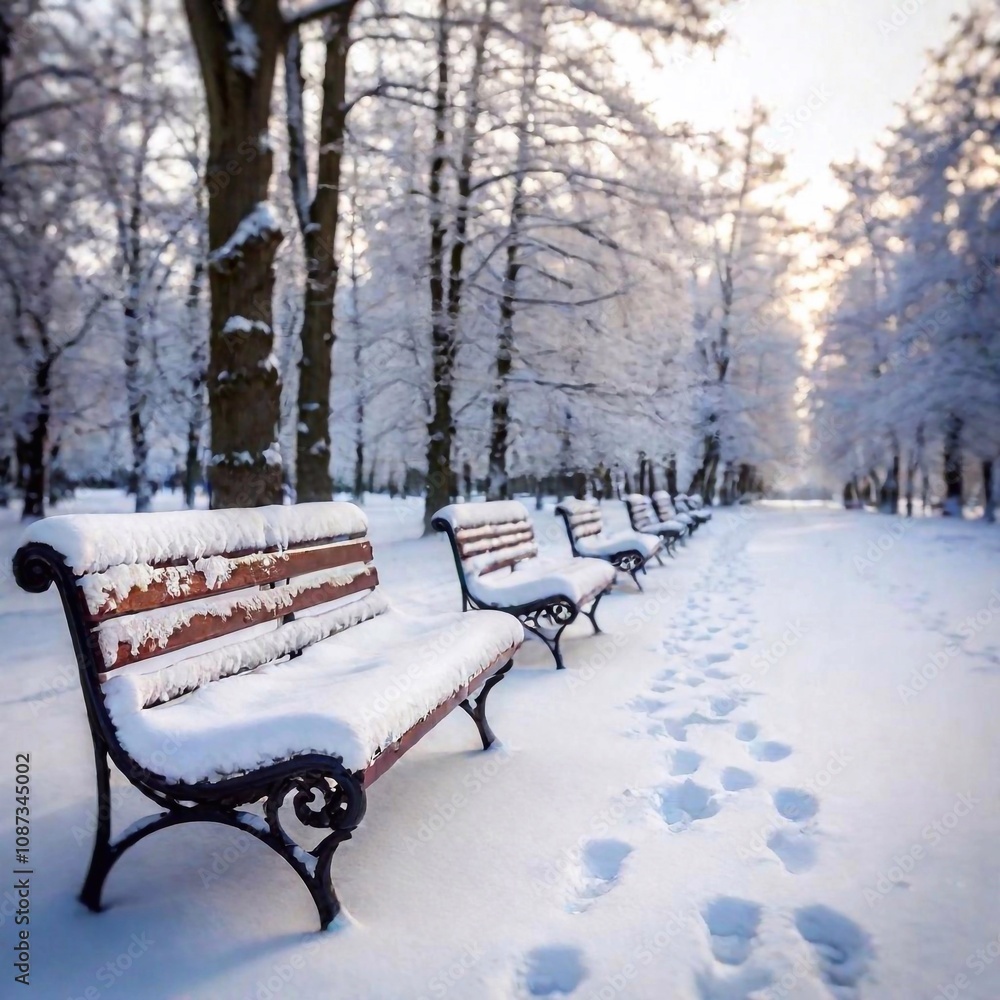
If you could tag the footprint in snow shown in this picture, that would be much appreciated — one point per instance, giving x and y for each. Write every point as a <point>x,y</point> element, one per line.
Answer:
<point>735,779</point>
<point>600,865</point>
<point>674,728</point>
<point>647,705</point>
<point>769,750</point>
<point>795,804</point>
<point>722,705</point>
<point>794,848</point>
<point>553,971</point>
<point>747,731</point>
<point>718,675</point>
<point>711,658</point>
<point>683,804</point>
<point>843,950</point>
<point>732,926</point>
<point>746,984</point>
<point>694,681</point>
<point>683,762</point>
<point>741,645</point>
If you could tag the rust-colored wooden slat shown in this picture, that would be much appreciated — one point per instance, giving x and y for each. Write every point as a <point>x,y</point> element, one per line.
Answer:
<point>483,546</point>
<point>392,753</point>
<point>505,563</point>
<point>591,528</point>
<point>465,535</point>
<point>246,571</point>
<point>493,528</point>
<point>202,627</point>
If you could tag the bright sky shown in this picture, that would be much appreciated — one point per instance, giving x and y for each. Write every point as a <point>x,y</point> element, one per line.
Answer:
<point>832,72</point>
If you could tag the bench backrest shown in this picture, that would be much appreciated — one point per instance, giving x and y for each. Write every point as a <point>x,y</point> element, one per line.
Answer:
<point>663,506</point>
<point>581,517</point>
<point>137,587</point>
<point>486,537</point>
<point>640,511</point>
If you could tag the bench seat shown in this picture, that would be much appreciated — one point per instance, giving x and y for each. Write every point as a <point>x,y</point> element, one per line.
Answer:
<point>644,518</point>
<point>499,569</point>
<point>536,579</point>
<point>350,698</point>
<point>242,667</point>
<point>600,546</point>
<point>627,551</point>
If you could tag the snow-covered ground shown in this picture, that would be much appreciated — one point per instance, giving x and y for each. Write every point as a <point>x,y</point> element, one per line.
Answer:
<point>775,776</point>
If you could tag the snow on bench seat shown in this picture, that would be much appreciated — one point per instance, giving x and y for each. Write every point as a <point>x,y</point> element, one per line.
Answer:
<point>666,512</point>
<point>535,579</point>
<point>499,534</point>
<point>628,551</point>
<point>547,595</point>
<point>238,658</point>
<point>350,697</point>
<point>600,546</point>
<point>643,517</point>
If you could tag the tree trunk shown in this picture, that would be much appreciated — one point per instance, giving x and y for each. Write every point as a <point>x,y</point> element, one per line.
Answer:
<point>318,220</point>
<point>953,467</point>
<point>703,481</point>
<point>136,397</point>
<point>244,391</point>
<point>33,449</point>
<point>6,33</point>
<point>441,425</point>
<point>672,475</point>
<point>497,484</point>
<point>911,479</point>
<point>989,492</point>
<point>196,414</point>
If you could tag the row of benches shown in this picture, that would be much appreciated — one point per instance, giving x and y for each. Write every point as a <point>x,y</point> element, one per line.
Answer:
<point>249,657</point>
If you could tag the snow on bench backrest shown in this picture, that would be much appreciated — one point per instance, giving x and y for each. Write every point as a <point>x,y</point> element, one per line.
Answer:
<point>642,514</point>
<point>582,516</point>
<point>491,535</point>
<point>663,504</point>
<point>150,584</point>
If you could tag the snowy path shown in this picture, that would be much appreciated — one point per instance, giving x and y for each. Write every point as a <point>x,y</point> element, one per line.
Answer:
<point>745,789</point>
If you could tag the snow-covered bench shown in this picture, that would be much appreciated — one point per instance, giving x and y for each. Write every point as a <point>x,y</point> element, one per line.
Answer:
<point>693,505</point>
<point>247,656</point>
<point>625,550</point>
<point>545,596</point>
<point>664,510</point>
<point>642,518</point>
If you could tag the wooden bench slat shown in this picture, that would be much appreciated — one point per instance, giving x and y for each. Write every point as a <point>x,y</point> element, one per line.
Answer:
<point>180,584</point>
<point>412,736</point>
<point>486,545</point>
<point>203,627</point>
<point>493,530</point>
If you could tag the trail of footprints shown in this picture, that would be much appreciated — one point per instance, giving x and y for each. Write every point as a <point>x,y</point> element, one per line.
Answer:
<point>685,800</point>
<point>840,949</point>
